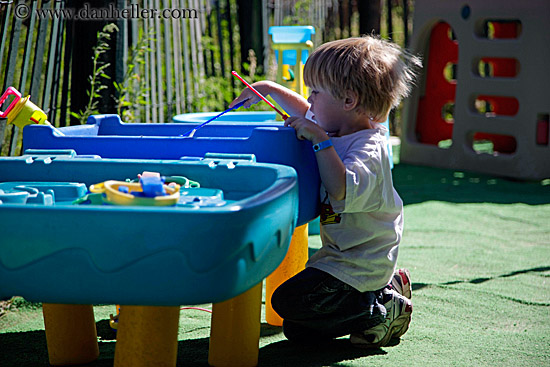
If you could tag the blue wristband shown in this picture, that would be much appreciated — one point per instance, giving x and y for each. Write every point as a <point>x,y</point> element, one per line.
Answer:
<point>322,145</point>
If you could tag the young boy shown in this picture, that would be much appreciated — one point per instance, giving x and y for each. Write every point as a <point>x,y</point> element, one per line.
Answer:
<point>349,285</point>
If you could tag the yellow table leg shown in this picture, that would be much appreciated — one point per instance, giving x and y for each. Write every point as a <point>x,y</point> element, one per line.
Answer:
<point>147,336</point>
<point>293,263</point>
<point>71,335</point>
<point>235,330</point>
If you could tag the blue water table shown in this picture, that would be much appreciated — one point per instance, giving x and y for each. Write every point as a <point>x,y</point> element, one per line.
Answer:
<point>108,137</point>
<point>213,243</point>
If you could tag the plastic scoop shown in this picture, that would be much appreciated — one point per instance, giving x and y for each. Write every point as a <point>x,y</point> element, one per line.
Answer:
<point>283,115</point>
<point>22,112</point>
<point>192,132</point>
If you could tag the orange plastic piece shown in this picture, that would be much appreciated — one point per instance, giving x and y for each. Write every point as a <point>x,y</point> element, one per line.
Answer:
<point>293,263</point>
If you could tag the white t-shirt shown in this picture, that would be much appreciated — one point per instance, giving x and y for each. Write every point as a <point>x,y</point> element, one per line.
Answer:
<point>361,233</point>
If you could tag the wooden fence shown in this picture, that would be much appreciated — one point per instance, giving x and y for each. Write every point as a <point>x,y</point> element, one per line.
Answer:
<point>172,63</point>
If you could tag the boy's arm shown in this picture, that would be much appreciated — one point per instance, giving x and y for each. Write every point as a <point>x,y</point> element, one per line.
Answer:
<point>332,172</point>
<point>293,103</point>
<point>331,168</point>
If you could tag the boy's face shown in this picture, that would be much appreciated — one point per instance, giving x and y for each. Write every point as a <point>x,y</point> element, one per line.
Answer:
<point>327,110</point>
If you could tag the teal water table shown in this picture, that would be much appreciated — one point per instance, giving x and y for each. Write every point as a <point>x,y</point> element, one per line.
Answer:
<point>108,137</point>
<point>142,255</point>
<point>217,242</point>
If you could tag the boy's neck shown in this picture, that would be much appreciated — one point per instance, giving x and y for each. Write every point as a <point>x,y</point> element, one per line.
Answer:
<point>356,122</point>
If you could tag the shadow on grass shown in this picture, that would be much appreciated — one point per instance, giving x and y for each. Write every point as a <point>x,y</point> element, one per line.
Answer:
<point>24,349</point>
<point>285,353</point>
<point>282,353</point>
<point>104,331</point>
<point>539,269</point>
<point>417,184</point>
<point>28,349</point>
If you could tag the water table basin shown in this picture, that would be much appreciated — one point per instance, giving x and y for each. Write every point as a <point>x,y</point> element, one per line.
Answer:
<point>184,254</point>
<point>270,142</point>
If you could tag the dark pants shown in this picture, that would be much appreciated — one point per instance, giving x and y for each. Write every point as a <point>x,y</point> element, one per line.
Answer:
<point>316,306</point>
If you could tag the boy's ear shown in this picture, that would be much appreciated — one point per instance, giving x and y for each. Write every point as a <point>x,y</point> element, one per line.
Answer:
<point>351,100</point>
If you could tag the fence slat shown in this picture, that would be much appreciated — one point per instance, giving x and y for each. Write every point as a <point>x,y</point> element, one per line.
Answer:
<point>39,55</point>
<point>168,63</point>
<point>28,49</point>
<point>51,62</point>
<point>121,59</point>
<point>186,59</point>
<point>220,36</point>
<point>4,23</point>
<point>158,53</point>
<point>57,69</point>
<point>194,65</point>
<point>3,125</point>
<point>231,50</point>
<point>198,34</point>
<point>66,73</point>
<point>12,53</point>
<point>152,69</point>
<point>212,70</point>
<point>178,67</point>
<point>10,76</point>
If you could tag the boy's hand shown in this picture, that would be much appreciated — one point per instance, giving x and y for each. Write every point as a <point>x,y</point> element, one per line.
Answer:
<point>306,129</point>
<point>261,87</point>
<point>246,94</point>
<point>331,167</point>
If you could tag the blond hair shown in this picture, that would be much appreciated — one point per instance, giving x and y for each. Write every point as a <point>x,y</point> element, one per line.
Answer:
<point>379,72</point>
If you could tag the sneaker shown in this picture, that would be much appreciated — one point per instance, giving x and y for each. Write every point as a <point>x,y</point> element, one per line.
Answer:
<point>395,324</point>
<point>401,282</point>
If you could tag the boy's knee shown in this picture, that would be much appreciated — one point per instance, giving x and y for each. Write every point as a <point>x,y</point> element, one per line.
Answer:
<point>279,302</point>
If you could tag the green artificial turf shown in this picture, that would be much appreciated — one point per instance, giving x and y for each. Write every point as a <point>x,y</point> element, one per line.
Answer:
<point>478,248</point>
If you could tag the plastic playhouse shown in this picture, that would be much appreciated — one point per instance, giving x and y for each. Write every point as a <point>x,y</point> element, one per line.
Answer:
<point>292,45</point>
<point>110,245</point>
<point>481,103</point>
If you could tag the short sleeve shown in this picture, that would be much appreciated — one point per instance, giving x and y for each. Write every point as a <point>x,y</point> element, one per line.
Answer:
<point>362,186</point>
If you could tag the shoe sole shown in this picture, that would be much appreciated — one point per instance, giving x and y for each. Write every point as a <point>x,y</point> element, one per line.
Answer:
<point>397,328</point>
<point>406,286</point>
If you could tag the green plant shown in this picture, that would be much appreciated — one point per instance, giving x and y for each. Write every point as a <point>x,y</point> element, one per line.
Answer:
<point>131,91</point>
<point>98,73</point>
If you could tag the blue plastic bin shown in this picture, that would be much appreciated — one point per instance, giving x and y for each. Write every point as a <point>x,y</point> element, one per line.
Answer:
<point>108,137</point>
<point>240,117</point>
<point>184,254</point>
